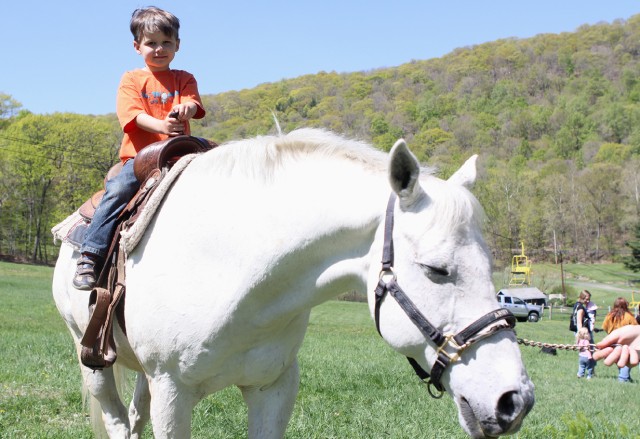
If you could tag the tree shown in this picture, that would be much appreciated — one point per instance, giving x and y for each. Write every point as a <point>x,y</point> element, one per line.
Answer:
<point>633,262</point>
<point>54,162</point>
<point>9,107</point>
<point>600,190</point>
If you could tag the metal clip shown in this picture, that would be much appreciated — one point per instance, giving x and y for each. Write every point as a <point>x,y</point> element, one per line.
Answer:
<point>450,340</point>
<point>386,273</point>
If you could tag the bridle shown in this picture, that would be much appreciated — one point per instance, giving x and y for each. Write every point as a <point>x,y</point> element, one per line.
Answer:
<point>449,346</point>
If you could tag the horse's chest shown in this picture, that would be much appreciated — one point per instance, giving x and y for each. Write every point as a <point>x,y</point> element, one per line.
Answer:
<point>258,355</point>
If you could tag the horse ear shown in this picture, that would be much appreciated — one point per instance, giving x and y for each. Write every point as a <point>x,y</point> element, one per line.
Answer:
<point>466,175</point>
<point>404,172</point>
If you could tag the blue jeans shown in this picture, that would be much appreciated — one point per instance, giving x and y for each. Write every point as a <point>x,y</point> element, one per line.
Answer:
<point>624,374</point>
<point>118,192</point>
<point>585,364</point>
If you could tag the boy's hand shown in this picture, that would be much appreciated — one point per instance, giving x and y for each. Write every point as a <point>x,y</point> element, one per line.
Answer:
<point>184,112</point>
<point>173,126</point>
<point>170,125</point>
<point>179,114</point>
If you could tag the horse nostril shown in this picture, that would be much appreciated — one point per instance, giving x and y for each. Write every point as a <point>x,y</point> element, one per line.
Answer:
<point>510,407</point>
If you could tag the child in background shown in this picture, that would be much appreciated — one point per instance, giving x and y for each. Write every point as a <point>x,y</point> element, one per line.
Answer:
<point>591,312</point>
<point>585,358</point>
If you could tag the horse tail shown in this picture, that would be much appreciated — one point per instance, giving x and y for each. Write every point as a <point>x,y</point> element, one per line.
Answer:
<point>95,412</point>
<point>95,416</point>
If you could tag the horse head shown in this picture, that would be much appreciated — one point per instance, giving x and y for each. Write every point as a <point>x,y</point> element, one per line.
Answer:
<point>445,317</point>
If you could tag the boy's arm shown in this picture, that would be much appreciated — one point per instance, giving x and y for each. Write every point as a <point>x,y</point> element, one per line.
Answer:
<point>189,94</point>
<point>172,125</point>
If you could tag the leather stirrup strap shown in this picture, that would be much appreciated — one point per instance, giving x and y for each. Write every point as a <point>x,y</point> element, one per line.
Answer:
<point>98,344</point>
<point>91,352</point>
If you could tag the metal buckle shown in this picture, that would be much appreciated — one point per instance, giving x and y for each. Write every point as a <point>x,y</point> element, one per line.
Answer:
<point>449,340</point>
<point>386,273</point>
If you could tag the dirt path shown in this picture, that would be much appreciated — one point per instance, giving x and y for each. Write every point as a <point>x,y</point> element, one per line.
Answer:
<point>584,285</point>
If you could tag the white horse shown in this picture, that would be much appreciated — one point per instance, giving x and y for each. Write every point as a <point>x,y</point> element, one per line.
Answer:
<point>257,232</point>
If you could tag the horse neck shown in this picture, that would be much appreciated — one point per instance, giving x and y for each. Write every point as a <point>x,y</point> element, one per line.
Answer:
<point>335,211</point>
<point>342,205</point>
<point>318,214</point>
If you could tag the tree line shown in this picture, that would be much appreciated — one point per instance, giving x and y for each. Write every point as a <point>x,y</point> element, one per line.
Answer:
<point>553,117</point>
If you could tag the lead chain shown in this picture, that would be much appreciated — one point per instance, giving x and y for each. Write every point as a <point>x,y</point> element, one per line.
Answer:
<point>566,347</point>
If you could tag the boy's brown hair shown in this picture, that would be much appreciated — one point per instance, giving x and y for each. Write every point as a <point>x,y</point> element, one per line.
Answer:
<point>153,19</point>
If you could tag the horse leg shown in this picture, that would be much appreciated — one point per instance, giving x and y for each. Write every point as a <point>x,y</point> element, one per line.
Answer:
<point>270,406</point>
<point>102,385</point>
<point>139,408</point>
<point>171,407</point>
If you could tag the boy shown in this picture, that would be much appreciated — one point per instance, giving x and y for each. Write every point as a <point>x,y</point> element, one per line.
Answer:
<point>153,103</point>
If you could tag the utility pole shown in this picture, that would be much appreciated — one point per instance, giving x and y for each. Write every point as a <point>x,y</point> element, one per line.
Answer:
<point>564,293</point>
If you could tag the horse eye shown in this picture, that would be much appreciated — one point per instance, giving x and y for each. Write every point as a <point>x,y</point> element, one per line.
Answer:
<point>440,271</point>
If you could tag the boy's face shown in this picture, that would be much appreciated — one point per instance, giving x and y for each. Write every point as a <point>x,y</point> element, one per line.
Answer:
<point>157,49</point>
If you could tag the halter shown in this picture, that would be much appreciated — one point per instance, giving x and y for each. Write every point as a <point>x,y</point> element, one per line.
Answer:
<point>456,343</point>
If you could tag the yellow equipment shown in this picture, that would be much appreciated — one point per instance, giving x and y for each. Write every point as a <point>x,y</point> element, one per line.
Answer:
<point>520,268</point>
<point>634,303</point>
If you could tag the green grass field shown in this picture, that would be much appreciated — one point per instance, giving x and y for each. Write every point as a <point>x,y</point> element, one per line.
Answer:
<point>352,384</point>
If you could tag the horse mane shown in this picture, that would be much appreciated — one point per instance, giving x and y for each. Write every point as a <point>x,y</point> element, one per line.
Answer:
<point>454,207</point>
<point>260,157</point>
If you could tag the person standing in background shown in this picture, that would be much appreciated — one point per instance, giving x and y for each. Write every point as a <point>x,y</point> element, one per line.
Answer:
<point>591,308</point>
<point>618,317</point>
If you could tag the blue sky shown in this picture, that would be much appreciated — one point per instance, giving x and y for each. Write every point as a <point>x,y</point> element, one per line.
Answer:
<point>69,55</point>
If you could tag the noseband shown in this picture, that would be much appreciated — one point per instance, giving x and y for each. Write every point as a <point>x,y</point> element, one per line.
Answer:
<point>449,346</point>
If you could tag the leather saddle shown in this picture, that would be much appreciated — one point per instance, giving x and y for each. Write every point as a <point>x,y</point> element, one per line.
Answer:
<point>106,300</point>
<point>150,160</point>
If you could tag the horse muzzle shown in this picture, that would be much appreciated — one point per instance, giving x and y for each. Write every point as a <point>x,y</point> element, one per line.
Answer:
<point>509,412</point>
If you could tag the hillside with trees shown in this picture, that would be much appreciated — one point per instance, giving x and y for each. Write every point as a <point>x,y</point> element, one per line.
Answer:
<point>555,119</point>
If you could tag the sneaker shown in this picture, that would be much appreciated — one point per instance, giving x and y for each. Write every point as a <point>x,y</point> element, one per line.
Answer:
<point>86,276</point>
<point>589,377</point>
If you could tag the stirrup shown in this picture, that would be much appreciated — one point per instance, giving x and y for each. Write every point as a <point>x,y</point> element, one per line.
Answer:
<point>85,277</point>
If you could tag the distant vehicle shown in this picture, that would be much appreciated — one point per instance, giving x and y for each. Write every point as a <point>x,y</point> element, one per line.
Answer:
<point>531,295</point>
<point>522,310</point>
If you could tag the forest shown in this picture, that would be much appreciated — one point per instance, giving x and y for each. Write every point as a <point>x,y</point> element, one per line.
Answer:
<point>554,118</point>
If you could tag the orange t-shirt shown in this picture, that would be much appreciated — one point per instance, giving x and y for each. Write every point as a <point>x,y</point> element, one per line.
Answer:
<point>155,94</point>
